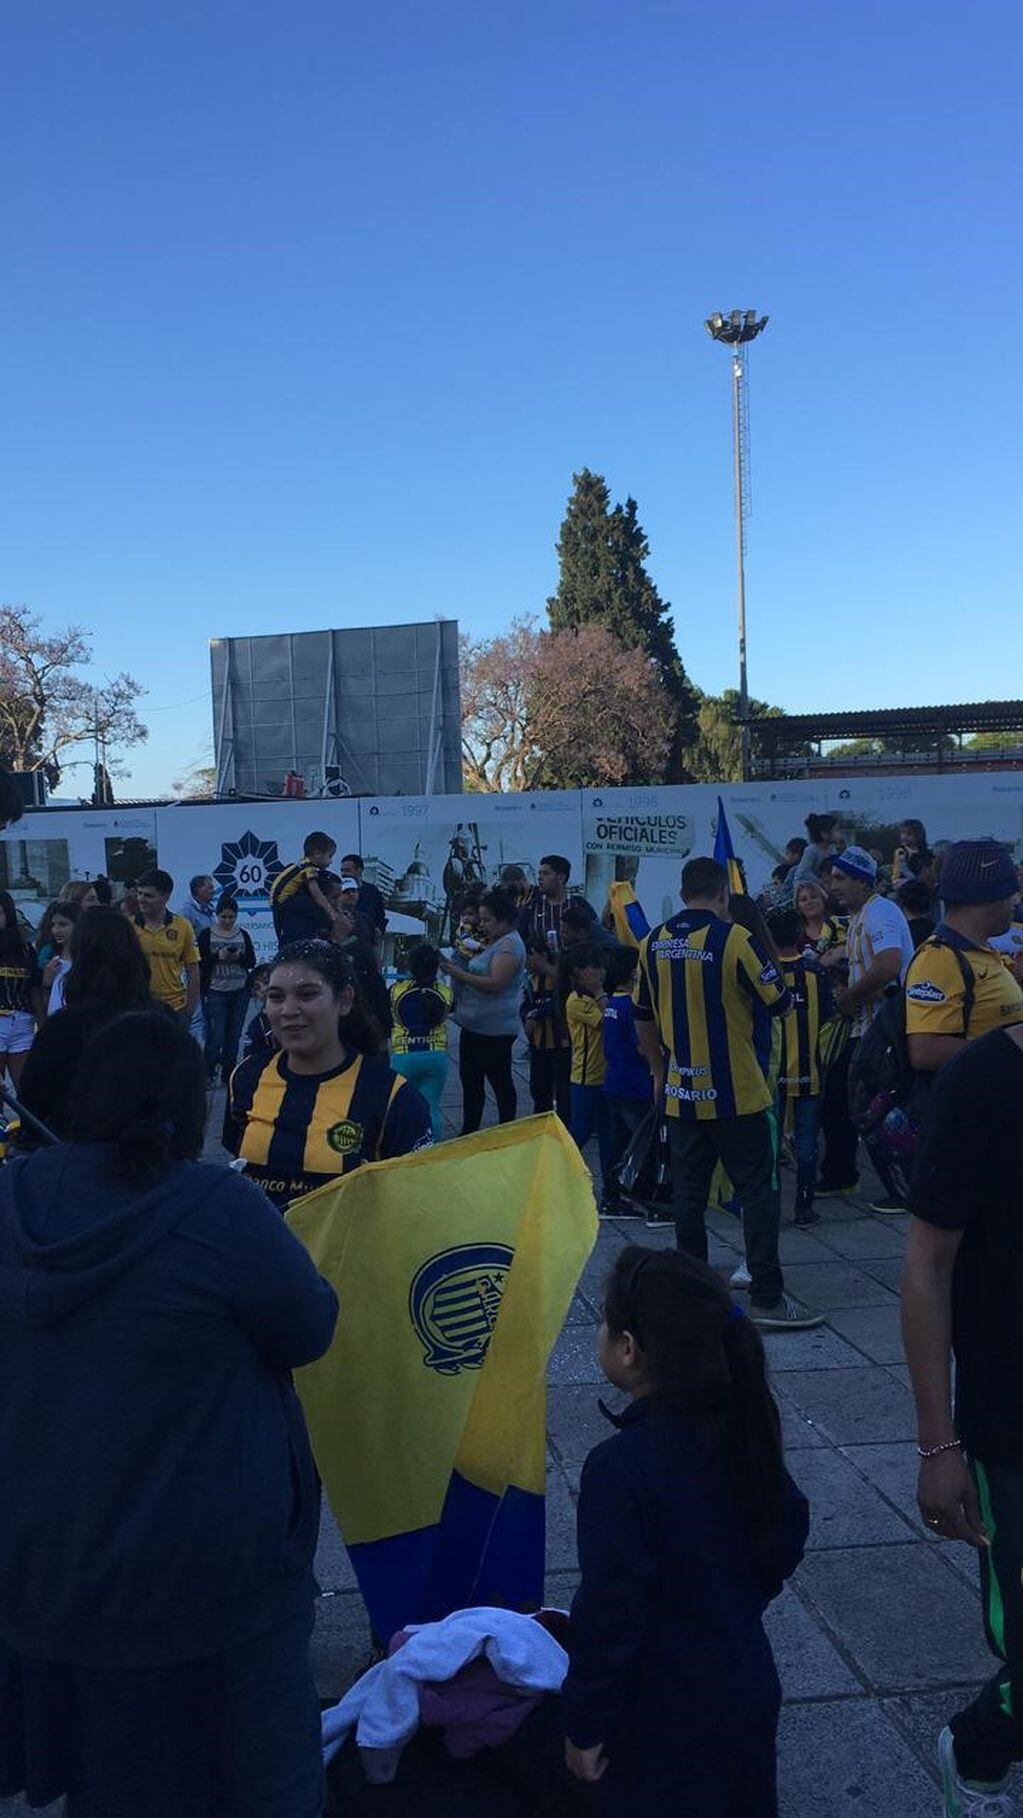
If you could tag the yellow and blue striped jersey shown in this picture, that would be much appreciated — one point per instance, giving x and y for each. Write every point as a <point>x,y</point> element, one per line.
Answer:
<point>800,1072</point>
<point>712,992</point>
<point>299,1130</point>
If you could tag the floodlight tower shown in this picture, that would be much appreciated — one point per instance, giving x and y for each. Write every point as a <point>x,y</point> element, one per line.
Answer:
<point>736,331</point>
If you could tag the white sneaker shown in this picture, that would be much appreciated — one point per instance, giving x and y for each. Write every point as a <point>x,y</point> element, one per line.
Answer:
<point>963,1800</point>
<point>740,1277</point>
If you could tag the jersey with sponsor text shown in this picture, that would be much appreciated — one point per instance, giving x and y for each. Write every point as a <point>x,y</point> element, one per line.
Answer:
<point>712,991</point>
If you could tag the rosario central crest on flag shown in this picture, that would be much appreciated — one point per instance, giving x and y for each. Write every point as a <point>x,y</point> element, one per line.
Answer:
<point>455,1268</point>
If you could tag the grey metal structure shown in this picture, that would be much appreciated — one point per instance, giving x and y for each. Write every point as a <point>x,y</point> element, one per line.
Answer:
<point>374,710</point>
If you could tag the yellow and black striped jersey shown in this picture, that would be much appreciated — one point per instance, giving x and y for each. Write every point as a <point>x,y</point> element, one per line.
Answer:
<point>585,1019</point>
<point>800,1072</point>
<point>300,1130</point>
<point>712,991</point>
<point>420,1017</point>
<point>296,916</point>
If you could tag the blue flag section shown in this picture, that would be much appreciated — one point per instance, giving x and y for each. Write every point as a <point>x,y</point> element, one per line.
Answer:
<point>724,852</point>
<point>455,1267</point>
<point>631,925</point>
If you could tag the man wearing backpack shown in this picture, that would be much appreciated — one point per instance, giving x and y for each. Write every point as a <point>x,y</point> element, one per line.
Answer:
<point>879,947</point>
<point>957,986</point>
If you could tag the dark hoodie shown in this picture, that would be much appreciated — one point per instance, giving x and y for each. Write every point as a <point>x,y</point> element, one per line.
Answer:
<point>159,1500</point>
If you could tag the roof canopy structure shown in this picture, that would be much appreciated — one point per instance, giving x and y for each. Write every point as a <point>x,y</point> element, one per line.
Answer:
<point>918,738</point>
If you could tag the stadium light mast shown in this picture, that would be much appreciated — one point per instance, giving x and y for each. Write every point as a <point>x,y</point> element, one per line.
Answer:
<point>736,331</point>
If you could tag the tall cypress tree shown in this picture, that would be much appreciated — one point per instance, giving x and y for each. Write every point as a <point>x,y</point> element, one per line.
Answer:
<point>602,579</point>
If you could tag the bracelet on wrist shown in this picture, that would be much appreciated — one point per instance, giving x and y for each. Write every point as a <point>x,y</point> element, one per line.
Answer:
<point>950,1445</point>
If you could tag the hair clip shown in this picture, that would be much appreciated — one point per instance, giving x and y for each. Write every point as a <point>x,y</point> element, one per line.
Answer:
<point>735,1311</point>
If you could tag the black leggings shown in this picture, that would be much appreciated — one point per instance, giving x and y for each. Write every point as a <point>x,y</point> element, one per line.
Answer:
<point>483,1059</point>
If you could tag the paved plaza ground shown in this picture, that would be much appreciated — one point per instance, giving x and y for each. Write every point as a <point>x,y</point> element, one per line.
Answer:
<point>878,1637</point>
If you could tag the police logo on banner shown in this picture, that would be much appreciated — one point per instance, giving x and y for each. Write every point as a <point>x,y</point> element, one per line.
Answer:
<point>248,866</point>
<point>454,1302</point>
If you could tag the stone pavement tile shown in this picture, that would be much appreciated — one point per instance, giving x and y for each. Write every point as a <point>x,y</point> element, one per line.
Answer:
<point>846,1760</point>
<point>834,1284</point>
<point>921,1716</point>
<point>575,1423</point>
<point>797,1246</point>
<point>869,1239</point>
<point>885,1269</point>
<point>332,1566</point>
<point>873,1330</point>
<point>559,1589</point>
<point>798,1434</point>
<point>560,1512</point>
<point>16,1808</point>
<point>809,1665</point>
<point>341,1642</point>
<point>846,1511</point>
<point>582,1312</point>
<point>906,1622</point>
<point>818,1349</point>
<point>574,1357</point>
<point>841,1211</point>
<point>900,1373</point>
<point>893,1468</point>
<point>853,1407</point>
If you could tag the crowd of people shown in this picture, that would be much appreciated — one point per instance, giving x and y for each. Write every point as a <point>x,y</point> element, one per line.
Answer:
<point>154,1650</point>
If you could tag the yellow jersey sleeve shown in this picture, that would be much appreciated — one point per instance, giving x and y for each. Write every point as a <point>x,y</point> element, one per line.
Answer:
<point>189,944</point>
<point>935,992</point>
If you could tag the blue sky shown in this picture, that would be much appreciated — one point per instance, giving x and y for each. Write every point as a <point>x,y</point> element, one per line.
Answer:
<point>309,312</point>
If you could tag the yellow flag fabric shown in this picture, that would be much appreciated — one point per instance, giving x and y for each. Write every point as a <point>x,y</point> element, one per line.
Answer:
<point>455,1267</point>
<point>631,925</point>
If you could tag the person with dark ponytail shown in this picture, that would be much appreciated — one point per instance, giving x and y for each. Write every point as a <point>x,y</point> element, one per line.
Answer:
<point>822,836</point>
<point>156,1588</point>
<point>688,1526</point>
<point>324,1104</point>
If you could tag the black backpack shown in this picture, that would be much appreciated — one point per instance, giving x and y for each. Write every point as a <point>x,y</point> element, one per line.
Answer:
<point>881,1079</point>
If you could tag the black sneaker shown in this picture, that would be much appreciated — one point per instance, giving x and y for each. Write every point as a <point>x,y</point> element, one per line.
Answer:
<point>804,1213</point>
<point>787,1315</point>
<point>888,1203</point>
<point>657,1217</point>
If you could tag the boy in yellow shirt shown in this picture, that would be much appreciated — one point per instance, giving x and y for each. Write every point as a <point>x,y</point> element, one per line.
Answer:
<point>168,942</point>
<point>582,971</point>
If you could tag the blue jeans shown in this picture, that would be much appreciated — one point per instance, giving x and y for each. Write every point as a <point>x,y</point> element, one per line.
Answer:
<point>428,1072</point>
<point>591,1116</point>
<point>225,1013</point>
<point>806,1117</point>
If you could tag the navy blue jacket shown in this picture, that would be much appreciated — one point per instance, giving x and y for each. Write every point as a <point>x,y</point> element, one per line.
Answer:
<point>668,1656</point>
<point>160,1500</point>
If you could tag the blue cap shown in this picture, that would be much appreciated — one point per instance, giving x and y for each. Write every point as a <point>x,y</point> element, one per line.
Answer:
<point>857,863</point>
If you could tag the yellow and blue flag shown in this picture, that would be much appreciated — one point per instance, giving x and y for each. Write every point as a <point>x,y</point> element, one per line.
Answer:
<point>724,852</point>
<point>455,1267</point>
<point>631,925</point>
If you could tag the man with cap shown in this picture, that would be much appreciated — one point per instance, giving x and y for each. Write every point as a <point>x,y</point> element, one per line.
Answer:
<point>879,947</point>
<point>962,1293</point>
<point>957,986</point>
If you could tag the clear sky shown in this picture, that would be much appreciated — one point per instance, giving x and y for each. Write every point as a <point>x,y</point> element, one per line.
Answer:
<point>309,310</point>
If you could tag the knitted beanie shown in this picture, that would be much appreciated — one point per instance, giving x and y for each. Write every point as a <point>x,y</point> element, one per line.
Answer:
<point>977,871</point>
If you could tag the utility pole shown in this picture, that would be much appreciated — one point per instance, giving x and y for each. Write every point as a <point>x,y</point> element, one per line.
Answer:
<point>736,331</point>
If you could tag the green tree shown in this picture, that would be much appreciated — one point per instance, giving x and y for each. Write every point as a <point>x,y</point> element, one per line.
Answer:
<point>46,708</point>
<point>715,755</point>
<point>602,580</point>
